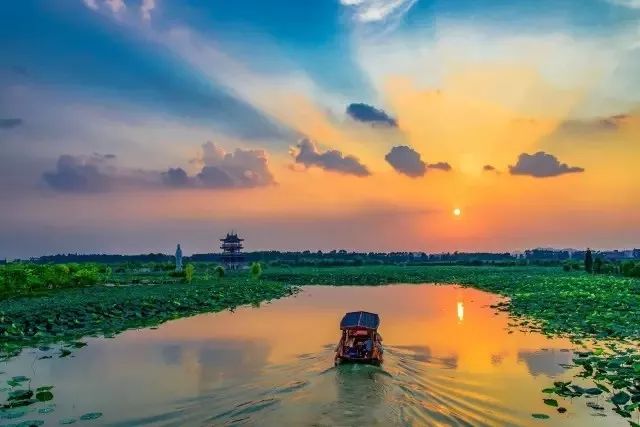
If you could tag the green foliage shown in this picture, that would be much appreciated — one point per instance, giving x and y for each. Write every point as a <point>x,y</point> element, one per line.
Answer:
<point>570,265</point>
<point>597,265</point>
<point>588,261</point>
<point>188,273</point>
<point>219,271</point>
<point>70,314</point>
<point>630,269</point>
<point>19,278</point>
<point>256,270</point>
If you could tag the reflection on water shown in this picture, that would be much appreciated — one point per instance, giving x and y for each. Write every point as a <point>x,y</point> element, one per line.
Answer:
<point>450,360</point>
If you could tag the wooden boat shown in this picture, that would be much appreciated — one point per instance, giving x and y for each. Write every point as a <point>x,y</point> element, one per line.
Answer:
<point>360,341</point>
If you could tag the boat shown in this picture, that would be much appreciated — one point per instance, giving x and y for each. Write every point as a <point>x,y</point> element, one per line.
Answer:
<point>360,341</point>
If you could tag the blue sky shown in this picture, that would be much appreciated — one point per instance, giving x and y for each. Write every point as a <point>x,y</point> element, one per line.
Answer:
<point>232,89</point>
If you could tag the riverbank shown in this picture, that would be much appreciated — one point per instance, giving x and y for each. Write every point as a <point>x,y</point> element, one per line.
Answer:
<point>550,300</point>
<point>69,314</point>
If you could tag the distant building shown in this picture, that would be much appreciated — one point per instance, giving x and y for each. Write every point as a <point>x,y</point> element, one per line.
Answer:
<point>232,256</point>
<point>178,258</point>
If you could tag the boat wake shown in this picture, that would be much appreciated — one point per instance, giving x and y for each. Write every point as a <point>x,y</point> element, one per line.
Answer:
<point>411,388</point>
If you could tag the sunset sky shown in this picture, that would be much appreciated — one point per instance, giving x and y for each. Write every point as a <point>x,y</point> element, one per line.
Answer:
<point>127,126</point>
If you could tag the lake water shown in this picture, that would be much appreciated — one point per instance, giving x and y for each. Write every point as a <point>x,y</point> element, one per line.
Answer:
<point>450,359</point>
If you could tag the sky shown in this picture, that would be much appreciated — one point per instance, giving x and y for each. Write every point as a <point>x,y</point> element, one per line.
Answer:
<point>127,126</point>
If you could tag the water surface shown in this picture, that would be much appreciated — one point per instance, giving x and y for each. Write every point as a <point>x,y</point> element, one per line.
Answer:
<point>450,359</point>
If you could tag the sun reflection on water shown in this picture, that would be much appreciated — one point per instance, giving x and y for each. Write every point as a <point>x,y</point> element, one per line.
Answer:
<point>460,311</point>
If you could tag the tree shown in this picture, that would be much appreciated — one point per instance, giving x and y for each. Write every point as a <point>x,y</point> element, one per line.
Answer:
<point>588,261</point>
<point>597,265</point>
<point>188,273</point>
<point>256,270</point>
<point>219,271</point>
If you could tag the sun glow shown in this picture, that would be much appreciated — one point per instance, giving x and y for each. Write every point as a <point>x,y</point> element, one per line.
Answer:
<point>457,212</point>
<point>460,307</point>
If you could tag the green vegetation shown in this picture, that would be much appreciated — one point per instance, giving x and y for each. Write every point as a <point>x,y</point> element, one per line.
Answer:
<point>61,303</point>
<point>219,271</point>
<point>588,261</point>
<point>70,314</point>
<point>256,270</point>
<point>630,269</point>
<point>188,273</point>
<point>29,279</point>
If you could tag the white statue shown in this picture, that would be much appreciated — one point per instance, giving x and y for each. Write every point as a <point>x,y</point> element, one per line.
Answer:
<point>178,258</point>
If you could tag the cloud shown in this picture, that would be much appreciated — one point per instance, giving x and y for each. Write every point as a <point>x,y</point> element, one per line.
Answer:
<point>369,114</point>
<point>77,174</point>
<point>176,177</point>
<point>91,4</point>
<point>238,169</point>
<point>374,11</point>
<point>116,5</point>
<point>541,165</point>
<point>10,123</point>
<point>595,125</point>
<point>488,168</point>
<point>98,173</point>
<point>146,7</point>
<point>407,161</point>
<point>241,168</point>
<point>307,154</point>
<point>214,177</point>
<point>443,166</point>
<point>633,4</point>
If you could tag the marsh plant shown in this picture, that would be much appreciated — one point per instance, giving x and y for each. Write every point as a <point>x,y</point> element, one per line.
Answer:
<point>256,270</point>
<point>219,272</point>
<point>189,270</point>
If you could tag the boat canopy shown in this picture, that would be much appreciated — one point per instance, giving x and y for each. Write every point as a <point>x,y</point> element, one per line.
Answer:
<point>360,319</point>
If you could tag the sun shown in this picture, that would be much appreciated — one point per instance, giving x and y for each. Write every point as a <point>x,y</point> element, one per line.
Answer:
<point>457,212</point>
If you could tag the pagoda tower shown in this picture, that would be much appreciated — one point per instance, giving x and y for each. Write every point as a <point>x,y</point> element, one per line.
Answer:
<point>232,256</point>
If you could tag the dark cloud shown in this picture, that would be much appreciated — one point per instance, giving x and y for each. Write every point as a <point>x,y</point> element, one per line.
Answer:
<point>240,168</point>
<point>307,154</point>
<point>407,161</point>
<point>369,114</point>
<point>541,165</point>
<point>237,169</point>
<point>443,166</point>
<point>10,123</point>
<point>78,174</point>
<point>176,177</point>
<point>214,177</point>
<point>593,125</point>
<point>97,173</point>
<point>488,168</point>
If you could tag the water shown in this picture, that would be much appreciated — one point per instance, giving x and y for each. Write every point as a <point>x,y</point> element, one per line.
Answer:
<point>450,359</point>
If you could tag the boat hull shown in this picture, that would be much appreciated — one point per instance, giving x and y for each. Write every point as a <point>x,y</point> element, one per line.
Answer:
<point>367,361</point>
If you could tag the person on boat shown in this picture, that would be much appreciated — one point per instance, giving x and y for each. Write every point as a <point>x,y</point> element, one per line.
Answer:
<point>350,341</point>
<point>368,347</point>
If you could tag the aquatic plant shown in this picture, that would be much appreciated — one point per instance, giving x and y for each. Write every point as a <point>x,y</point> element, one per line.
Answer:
<point>69,314</point>
<point>219,271</point>
<point>188,273</point>
<point>256,270</point>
